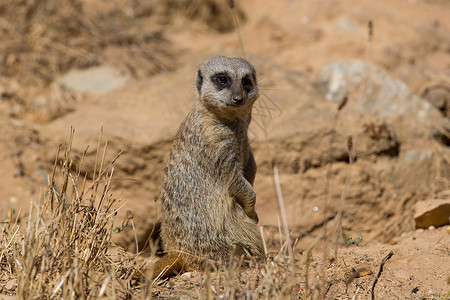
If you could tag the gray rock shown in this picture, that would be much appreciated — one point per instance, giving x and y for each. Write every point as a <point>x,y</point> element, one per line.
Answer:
<point>373,92</point>
<point>438,95</point>
<point>420,164</point>
<point>414,155</point>
<point>346,24</point>
<point>100,79</point>
<point>40,102</point>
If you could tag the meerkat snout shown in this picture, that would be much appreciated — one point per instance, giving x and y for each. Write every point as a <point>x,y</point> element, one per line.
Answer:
<point>238,100</point>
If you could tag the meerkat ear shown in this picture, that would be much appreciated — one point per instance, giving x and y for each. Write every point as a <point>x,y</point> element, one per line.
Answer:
<point>199,80</point>
<point>254,75</point>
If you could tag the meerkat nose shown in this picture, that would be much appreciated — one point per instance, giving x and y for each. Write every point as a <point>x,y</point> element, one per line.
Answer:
<point>238,100</point>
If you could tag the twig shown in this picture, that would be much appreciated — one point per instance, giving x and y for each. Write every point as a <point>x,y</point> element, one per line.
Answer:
<point>284,217</point>
<point>341,204</point>
<point>302,234</point>
<point>236,25</point>
<point>356,294</point>
<point>380,270</point>
<point>264,240</point>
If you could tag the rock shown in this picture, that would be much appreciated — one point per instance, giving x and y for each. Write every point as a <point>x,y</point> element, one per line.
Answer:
<point>421,163</point>
<point>438,94</point>
<point>410,160</point>
<point>414,155</point>
<point>132,114</point>
<point>357,272</point>
<point>40,102</point>
<point>186,276</point>
<point>10,285</point>
<point>381,96</point>
<point>346,24</point>
<point>433,212</point>
<point>393,242</point>
<point>100,79</point>
<point>402,274</point>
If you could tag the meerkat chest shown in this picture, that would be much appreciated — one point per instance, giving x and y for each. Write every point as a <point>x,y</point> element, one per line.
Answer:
<point>241,145</point>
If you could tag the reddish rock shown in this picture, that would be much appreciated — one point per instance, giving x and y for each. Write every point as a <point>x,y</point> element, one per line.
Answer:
<point>432,212</point>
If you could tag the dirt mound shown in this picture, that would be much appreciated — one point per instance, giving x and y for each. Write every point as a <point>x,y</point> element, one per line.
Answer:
<point>303,141</point>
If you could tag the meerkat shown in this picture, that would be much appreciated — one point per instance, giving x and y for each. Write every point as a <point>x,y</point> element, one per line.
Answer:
<point>208,201</point>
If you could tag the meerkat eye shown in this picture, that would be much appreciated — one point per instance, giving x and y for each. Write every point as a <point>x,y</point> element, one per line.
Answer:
<point>222,79</point>
<point>246,82</point>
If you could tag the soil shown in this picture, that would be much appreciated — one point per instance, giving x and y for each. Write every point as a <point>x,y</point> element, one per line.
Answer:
<point>391,165</point>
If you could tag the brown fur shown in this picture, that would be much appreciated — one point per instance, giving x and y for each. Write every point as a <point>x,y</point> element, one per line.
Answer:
<point>208,203</point>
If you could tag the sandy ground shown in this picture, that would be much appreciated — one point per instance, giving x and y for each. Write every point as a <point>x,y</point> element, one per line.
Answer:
<point>398,162</point>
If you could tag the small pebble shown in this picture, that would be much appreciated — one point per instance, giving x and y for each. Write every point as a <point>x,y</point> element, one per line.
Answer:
<point>403,274</point>
<point>448,229</point>
<point>431,227</point>
<point>11,284</point>
<point>186,276</point>
<point>403,261</point>
<point>170,284</point>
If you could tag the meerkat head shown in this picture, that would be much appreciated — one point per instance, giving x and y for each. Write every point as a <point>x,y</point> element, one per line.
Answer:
<point>227,84</point>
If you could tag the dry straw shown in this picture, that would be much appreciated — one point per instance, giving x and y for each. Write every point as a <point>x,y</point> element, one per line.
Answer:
<point>63,249</point>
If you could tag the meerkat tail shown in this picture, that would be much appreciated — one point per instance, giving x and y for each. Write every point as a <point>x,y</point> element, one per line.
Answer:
<point>168,265</point>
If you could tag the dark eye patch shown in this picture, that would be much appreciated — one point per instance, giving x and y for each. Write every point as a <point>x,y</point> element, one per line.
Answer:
<point>222,80</point>
<point>246,81</point>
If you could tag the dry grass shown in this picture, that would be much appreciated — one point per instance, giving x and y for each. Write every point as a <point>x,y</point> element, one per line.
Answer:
<point>63,249</point>
<point>215,13</point>
<point>42,39</point>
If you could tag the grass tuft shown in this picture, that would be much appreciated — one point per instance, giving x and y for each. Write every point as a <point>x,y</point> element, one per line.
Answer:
<point>63,249</point>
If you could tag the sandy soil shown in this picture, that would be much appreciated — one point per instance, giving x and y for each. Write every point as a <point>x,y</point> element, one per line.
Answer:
<point>398,162</point>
